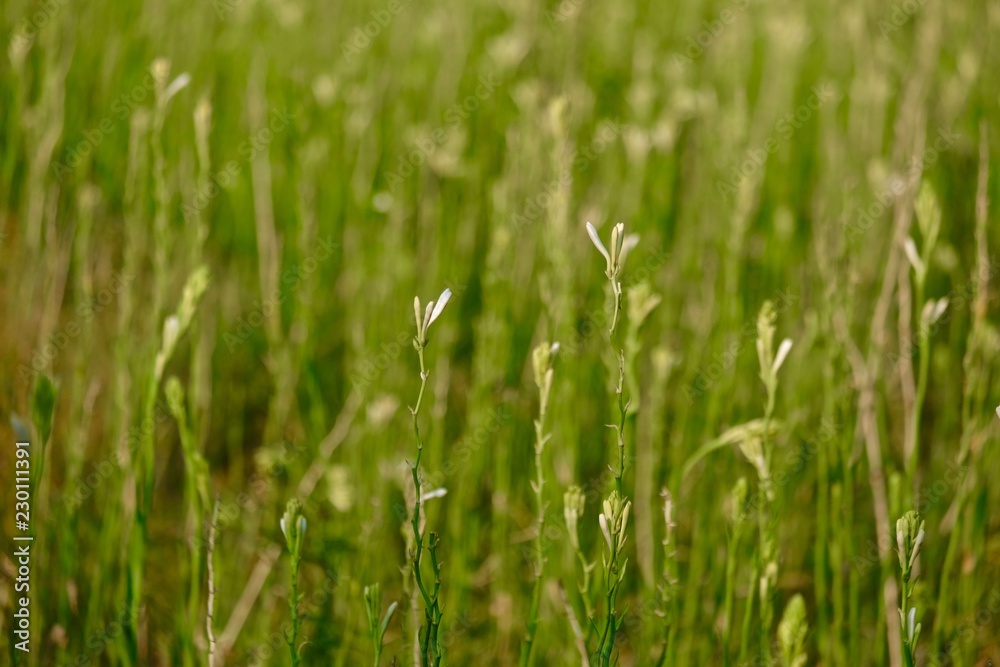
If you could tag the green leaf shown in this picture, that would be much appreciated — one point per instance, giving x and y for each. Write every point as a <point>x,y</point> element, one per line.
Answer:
<point>43,406</point>
<point>385,620</point>
<point>735,435</point>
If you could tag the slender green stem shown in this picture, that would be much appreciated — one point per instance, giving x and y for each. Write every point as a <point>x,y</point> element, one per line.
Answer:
<point>430,653</point>
<point>622,414</point>
<point>748,615</point>
<point>538,486</point>
<point>612,577</point>
<point>584,585</point>
<point>293,606</point>
<point>908,656</point>
<point>613,569</point>
<point>727,621</point>
<point>910,465</point>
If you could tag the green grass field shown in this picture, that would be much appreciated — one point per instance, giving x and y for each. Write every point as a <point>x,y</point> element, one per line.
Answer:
<point>246,448</point>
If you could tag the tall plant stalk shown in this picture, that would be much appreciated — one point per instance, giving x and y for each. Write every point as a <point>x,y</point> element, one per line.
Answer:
<point>737,524</point>
<point>542,365</point>
<point>174,327</point>
<point>614,520</point>
<point>293,527</point>
<point>770,362</point>
<point>431,648</point>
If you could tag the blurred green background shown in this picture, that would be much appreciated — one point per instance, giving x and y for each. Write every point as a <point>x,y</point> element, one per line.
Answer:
<point>328,161</point>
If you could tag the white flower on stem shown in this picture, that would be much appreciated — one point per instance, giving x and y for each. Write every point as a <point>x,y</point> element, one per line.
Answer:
<point>604,529</point>
<point>175,87</point>
<point>438,307</point>
<point>430,495</point>
<point>933,310</point>
<point>783,350</point>
<point>916,546</point>
<point>911,254</point>
<point>600,246</point>
<point>620,247</point>
<point>431,313</point>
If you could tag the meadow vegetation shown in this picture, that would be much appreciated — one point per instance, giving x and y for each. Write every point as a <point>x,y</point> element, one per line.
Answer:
<point>562,333</point>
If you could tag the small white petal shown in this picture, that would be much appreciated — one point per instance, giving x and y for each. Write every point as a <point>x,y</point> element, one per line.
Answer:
<point>427,315</point>
<point>998,411</point>
<point>439,305</point>
<point>783,350</point>
<point>597,242</point>
<point>176,86</point>
<point>283,531</point>
<point>554,349</point>
<point>911,624</point>
<point>436,493</point>
<point>939,308</point>
<point>917,542</point>
<point>927,313</point>
<point>911,254</point>
<point>631,241</point>
<point>604,529</point>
